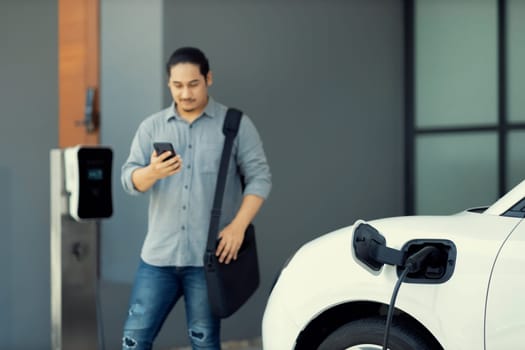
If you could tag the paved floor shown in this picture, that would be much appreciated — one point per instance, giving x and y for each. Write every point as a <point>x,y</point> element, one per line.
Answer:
<point>254,344</point>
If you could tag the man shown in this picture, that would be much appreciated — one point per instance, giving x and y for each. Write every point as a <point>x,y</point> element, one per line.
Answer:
<point>182,190</point>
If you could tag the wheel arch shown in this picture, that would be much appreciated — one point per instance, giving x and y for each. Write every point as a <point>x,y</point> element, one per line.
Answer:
<point>329,320</point>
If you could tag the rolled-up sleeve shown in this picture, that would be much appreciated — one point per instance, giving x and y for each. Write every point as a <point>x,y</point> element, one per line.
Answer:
<point>139,156</point>
<point>251,160</point>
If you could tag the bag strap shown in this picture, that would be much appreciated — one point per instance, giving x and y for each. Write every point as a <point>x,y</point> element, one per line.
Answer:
<point>229,129</point>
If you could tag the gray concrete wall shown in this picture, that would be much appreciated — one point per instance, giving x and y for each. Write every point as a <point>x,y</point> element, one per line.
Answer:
<point>131,88</point>
<point>323,82</point>
<point>28,130</point>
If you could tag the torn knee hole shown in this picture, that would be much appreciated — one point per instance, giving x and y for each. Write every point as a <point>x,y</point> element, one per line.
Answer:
<point>129,343</point>
<point>197,335</point>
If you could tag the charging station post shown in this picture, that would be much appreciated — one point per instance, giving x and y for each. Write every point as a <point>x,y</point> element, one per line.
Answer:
<point>80,196</point>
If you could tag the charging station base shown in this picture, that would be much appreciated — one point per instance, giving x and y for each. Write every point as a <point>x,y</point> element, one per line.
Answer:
<point>74,271</point>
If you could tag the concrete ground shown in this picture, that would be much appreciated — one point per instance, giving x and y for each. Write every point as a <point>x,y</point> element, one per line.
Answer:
<point>254,344</point>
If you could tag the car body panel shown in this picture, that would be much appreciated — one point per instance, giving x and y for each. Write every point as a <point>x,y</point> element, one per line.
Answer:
<point>324,273</point>
<point>505,317</point>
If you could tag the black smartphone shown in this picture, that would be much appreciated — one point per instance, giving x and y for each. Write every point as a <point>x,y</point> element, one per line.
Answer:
<point>162,147</point>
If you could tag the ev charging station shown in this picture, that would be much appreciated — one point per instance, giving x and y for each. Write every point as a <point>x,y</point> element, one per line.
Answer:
<point>80,197</point>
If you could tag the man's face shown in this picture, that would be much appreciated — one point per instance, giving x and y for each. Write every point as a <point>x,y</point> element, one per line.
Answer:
<point>189,88</point>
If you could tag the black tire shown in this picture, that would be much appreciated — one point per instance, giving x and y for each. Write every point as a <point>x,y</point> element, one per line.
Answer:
<point>370,331</point>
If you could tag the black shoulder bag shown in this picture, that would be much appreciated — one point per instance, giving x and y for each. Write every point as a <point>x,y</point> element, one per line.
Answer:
<point>229,285</point>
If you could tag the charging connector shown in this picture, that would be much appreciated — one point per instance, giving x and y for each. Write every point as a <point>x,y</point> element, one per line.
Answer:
<point>416,262</point>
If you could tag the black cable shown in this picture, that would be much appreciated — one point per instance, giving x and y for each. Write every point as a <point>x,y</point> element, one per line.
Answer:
<point>100,321</point>
<point>413,263</point>
<point>391,307</point>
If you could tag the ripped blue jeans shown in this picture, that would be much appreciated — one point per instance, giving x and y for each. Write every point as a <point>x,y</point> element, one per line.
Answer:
<point>155,292</point>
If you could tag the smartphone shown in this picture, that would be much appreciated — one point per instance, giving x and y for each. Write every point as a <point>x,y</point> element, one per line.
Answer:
<point>162,147</point>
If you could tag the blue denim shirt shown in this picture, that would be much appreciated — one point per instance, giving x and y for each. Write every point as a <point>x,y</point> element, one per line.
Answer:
<point>180,205</point>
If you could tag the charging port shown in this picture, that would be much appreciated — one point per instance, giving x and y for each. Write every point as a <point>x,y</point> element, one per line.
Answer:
<point>439,266</point>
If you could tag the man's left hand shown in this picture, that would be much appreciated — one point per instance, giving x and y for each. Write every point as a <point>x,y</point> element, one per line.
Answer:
<point>231,238</point>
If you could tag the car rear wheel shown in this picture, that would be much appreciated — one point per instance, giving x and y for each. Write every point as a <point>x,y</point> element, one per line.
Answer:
<point>368,333</point>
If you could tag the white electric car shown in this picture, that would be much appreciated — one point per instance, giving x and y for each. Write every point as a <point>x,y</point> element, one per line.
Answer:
<point>466,291</point>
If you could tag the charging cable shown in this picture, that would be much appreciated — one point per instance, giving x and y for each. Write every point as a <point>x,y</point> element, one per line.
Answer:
<point>413,263</point>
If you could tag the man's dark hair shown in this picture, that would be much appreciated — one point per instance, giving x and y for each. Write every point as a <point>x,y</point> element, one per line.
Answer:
<point>189,55</point>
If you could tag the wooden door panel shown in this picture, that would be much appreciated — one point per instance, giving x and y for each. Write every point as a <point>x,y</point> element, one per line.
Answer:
<point>78,67</point>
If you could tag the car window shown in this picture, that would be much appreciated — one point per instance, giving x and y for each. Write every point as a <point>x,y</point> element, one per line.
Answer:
<point>517,211</point>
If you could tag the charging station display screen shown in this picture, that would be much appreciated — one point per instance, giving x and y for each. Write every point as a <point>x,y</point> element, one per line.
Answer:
<point>95,174</point>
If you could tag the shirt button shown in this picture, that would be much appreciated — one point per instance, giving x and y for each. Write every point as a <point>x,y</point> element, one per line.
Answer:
<point>186,187</point>
<point>189,146</point>
<point>183,207</point>
<point>183,227</point>
<point>189,166</point>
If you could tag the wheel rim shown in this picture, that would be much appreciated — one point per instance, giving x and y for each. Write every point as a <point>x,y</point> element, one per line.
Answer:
<point>365,347</point>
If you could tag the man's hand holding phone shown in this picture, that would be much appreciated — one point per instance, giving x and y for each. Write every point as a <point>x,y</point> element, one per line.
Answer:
<point>164,161</point>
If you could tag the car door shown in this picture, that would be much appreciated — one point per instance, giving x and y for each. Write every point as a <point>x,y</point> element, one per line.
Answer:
<point>505,308</point>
